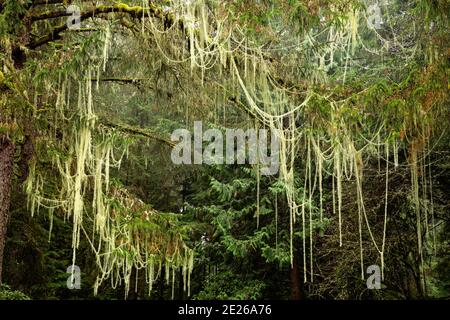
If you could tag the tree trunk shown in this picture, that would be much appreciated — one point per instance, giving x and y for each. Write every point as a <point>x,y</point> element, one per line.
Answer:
<point>6,171</point>
<point>296,292</point>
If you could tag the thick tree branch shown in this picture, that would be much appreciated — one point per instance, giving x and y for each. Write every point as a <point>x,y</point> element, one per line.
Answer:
<point>136,131</point>
<point>50,15</point>
<point>135,11</point>
<point>122,80</point>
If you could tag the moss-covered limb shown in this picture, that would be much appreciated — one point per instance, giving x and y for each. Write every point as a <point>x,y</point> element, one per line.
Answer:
<point>136,131</point>
<point>55,34</point>
<point>119,7</point>
<point>135,81</point>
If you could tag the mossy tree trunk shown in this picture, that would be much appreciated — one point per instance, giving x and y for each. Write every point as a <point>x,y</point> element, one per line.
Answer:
<point>7,149</point>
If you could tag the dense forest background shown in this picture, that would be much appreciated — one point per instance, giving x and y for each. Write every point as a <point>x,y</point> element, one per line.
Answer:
<point>91,91</point>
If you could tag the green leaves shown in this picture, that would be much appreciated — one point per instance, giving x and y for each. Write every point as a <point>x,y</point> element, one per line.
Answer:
<point>225,285</point>
<point>227,191</point>
<point>7,294</point>
<point>10,16</point>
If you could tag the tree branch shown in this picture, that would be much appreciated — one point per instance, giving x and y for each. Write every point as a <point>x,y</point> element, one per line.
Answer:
<point>135,11</point>
<point>122,80</point>
<point>137,131</point>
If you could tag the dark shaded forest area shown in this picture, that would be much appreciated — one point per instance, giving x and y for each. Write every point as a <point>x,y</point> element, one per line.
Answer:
<point>217,150</point>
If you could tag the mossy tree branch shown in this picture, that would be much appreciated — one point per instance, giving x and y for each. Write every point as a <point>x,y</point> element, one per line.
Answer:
<point>134,11</point>
<point>136,132</point>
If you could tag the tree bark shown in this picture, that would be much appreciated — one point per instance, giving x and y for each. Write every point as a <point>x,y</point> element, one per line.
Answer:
<point>296,292</point>
<point>7,149</point>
